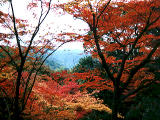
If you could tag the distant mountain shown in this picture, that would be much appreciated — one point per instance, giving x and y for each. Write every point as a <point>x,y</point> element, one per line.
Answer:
<point>65,59</point>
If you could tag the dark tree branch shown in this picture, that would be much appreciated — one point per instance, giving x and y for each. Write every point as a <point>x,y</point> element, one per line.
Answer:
<point>37,28</point>
<point>132,92</point>
<point>138,67</point>
<point>31,87</point>
<point>133,72</point>
<point>102,12</point>
<point>29,76</point>
<point>16,32</point>
<point>96,39</point>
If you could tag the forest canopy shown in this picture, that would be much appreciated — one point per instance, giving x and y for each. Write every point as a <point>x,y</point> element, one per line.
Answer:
<point>120,80</point>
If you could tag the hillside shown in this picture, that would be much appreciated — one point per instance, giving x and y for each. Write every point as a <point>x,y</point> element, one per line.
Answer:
<point>65,59</point>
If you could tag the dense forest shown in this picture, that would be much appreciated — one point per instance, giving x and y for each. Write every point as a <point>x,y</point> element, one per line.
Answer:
<point>119,79</point>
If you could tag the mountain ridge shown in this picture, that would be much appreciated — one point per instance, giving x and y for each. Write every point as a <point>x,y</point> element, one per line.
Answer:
<point>65,59</point>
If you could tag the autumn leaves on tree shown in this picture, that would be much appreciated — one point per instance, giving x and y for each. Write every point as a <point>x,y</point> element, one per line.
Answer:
<point>20,60</point>
<point>121,37</point>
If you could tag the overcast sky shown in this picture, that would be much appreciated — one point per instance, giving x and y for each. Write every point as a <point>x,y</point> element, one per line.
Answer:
<point>58,23</point>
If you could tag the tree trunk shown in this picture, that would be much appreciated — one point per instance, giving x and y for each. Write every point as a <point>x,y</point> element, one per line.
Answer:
<point>116,103</point>
<point>16,102</point>
<point>17,108</point>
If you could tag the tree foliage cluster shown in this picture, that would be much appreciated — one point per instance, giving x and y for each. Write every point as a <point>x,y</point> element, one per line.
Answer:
<point>119,80</point>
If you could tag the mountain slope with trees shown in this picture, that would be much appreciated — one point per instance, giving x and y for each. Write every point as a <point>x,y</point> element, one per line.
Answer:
<point>65,59</point>
<point>118,81</point>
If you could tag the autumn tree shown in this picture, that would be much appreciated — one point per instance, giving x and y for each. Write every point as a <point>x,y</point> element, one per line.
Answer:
<point>86,64</point>
<point>59,97</point>
<point>120,36</point>
<point>22,54</point>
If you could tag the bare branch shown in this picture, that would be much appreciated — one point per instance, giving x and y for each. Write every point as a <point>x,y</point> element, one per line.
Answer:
<point>31,87</point>
<point>16,32</point>
<point>37,28</point>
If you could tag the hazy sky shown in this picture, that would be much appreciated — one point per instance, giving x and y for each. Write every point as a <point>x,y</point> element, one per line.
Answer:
<point>58,23</point>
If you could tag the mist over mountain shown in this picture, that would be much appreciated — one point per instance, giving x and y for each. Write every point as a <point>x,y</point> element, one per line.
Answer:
<point>65,59</point>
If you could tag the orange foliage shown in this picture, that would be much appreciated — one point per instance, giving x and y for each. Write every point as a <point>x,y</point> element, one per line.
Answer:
<point>122,30</point>
<point>52,101</point>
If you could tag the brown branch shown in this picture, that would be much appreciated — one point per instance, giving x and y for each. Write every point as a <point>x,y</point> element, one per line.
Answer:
<point>138,67</point>
<point>137,90</point>
<point>37,28</point>
<point>34,79</point>
<point>133,72</point>
<point>96,39</point>
<point>29,76</point>
<point>16,32</point>
<point>102,11</point>
<point>117,36</point>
